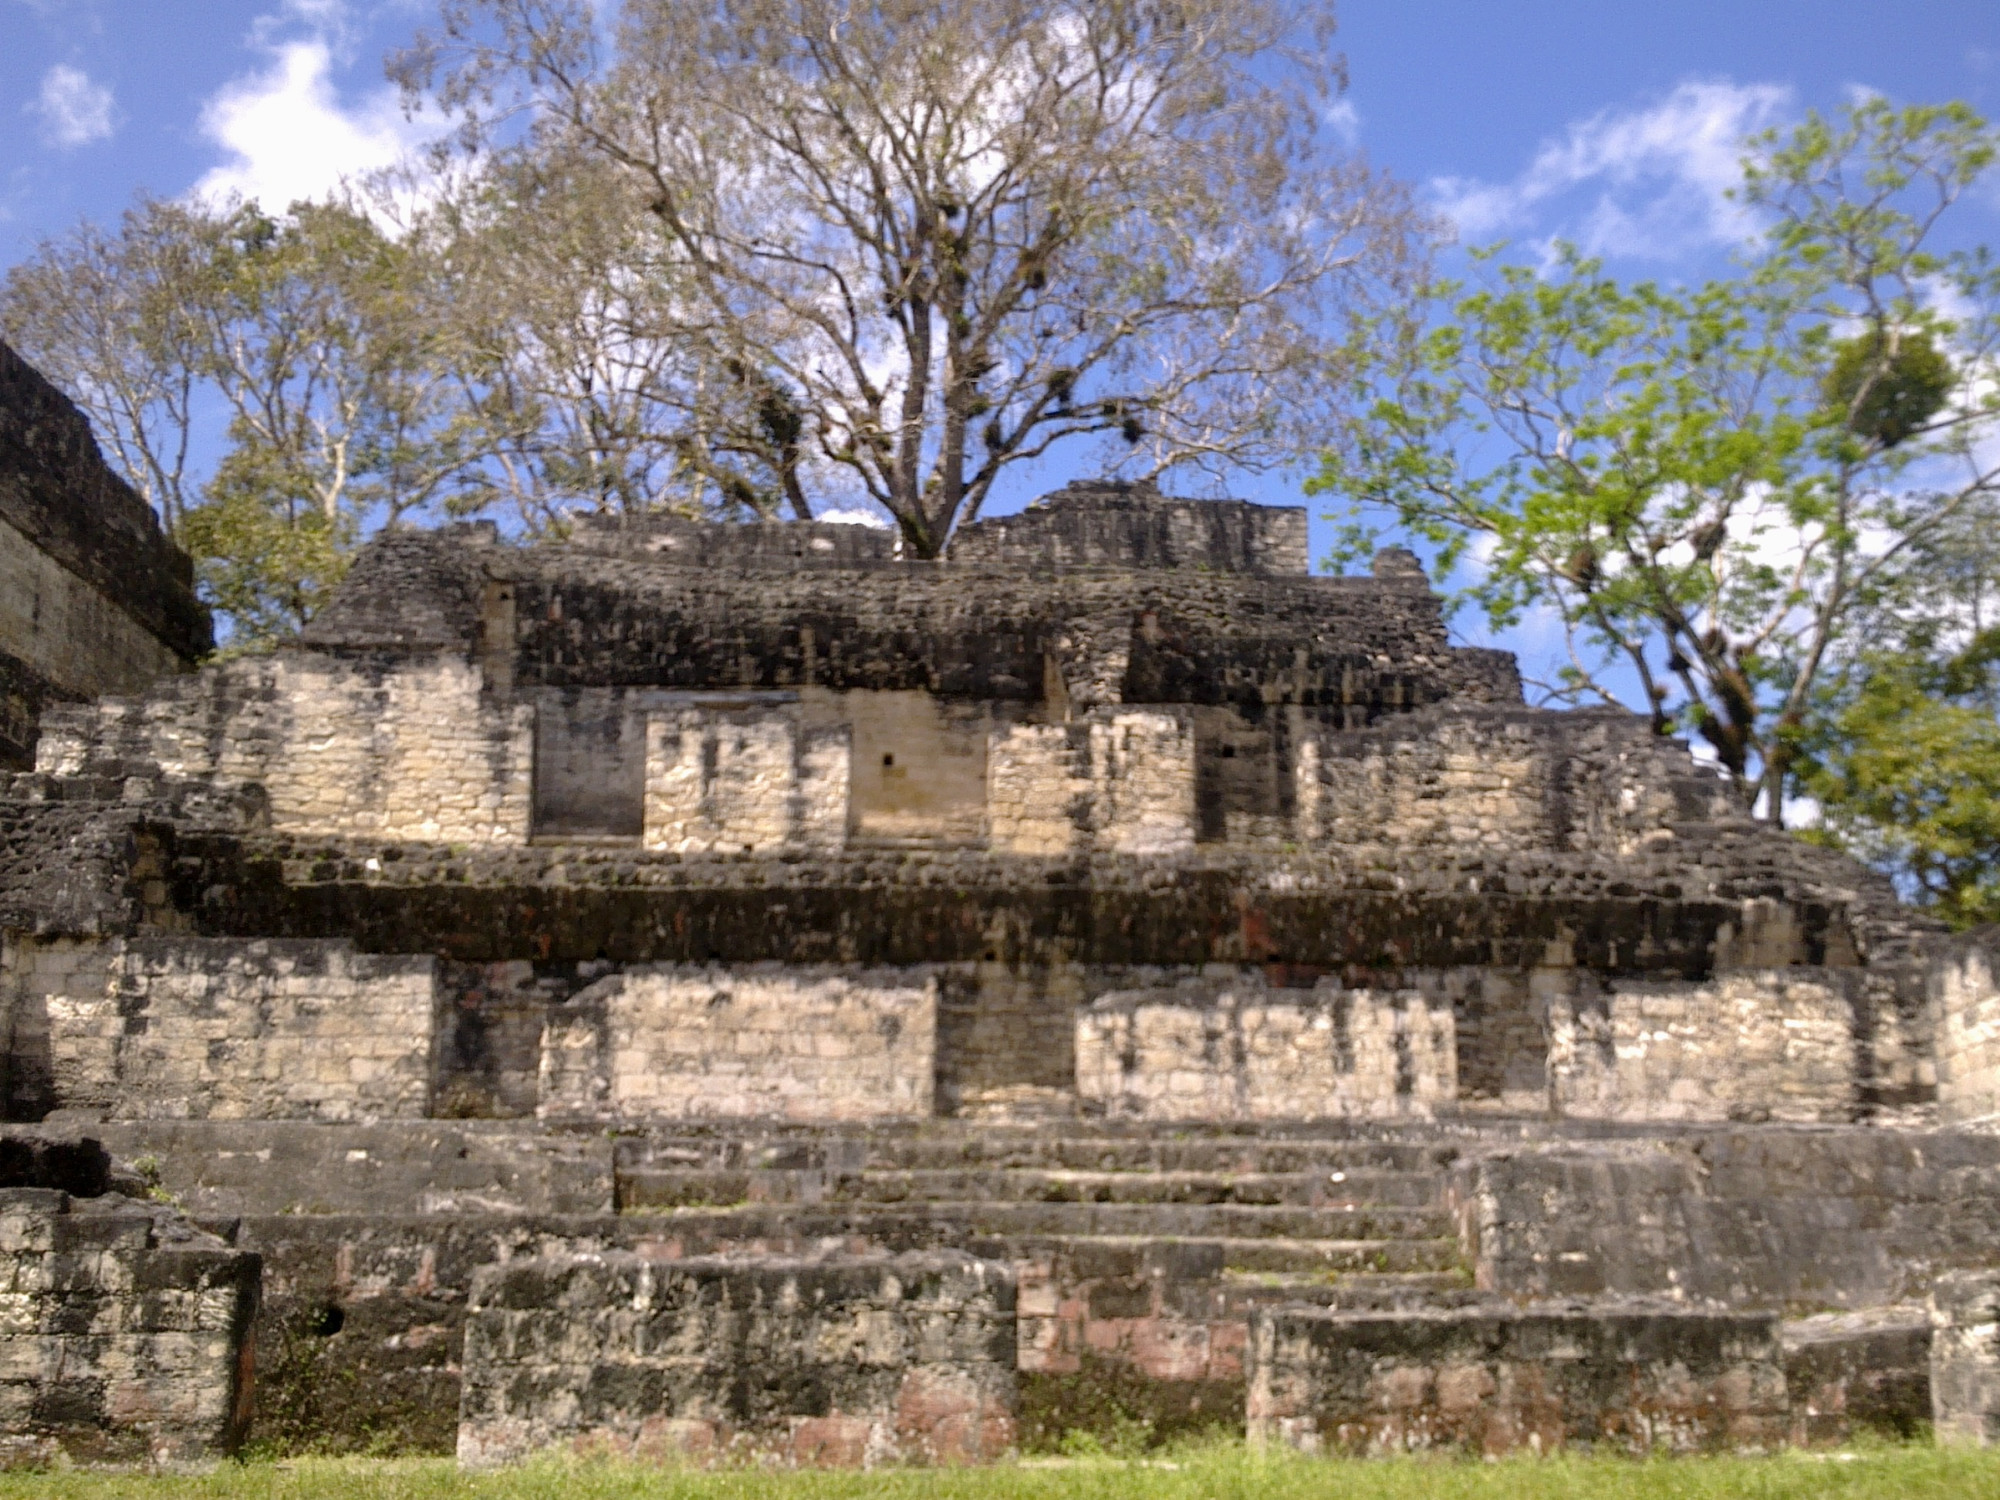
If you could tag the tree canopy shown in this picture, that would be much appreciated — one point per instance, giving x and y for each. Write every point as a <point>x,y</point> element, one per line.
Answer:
<point>898,248</point>
<point>1708,489</point>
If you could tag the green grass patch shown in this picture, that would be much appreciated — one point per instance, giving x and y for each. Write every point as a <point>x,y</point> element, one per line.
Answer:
<point>1216,1472</point>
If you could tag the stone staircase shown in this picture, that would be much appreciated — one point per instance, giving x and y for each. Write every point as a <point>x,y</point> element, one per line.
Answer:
<point>1141,1252</point>
<point>1148,1247</point>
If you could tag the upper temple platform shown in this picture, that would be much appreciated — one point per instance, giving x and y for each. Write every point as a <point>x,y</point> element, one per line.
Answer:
<point>1097,595</point>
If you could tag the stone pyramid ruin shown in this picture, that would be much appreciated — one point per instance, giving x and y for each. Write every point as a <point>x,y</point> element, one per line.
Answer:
<point>577,985</point>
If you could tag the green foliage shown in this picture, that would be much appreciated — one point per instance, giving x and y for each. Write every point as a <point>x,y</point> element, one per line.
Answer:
<point>1224,1472</point>
<point>1886,389</point>
<point>1705,486</point>
<point>263,558</point>
<point>318,335</point>
<point>1905,765</point>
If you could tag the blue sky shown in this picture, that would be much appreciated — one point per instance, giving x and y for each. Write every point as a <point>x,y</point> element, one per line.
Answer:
<point>1604,121</point>
<point>1557,107</point>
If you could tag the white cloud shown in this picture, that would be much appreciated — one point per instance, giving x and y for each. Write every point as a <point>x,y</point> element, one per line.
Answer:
<point>1343,119</point>
<point>855,516</point>
<point>74,110</point>
<point>1662,174</point>
<point>290,137</point>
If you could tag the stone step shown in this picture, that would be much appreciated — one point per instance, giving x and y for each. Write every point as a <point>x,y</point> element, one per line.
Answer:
<point>1282,1256</point>
<point>1243,1291</point>
<point>679,1188</point>
<point>1151,1220</point>
<point>1032,1152</point>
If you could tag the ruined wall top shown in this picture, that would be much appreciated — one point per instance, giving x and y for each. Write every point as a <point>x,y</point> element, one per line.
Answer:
<point>1125,594</point>
<point>1105,524</point>
<point>1089,524</point>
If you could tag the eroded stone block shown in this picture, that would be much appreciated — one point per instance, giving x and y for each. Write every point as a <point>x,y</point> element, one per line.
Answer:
<point>1504,1379</point>
<point>124,1332</point>
<point>841,1362</point>
<point>1965,1357</point>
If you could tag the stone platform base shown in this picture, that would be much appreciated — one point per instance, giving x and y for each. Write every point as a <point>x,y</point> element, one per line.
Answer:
<point>1494,1380</point>
<point>124,1331</point>
<point>842,1362</point>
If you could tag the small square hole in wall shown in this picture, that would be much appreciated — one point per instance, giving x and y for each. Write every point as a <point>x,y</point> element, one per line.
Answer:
<point>1229,752</point>
<point>888,760</point>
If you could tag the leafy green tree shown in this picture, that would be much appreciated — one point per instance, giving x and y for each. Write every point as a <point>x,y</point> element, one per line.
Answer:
<point>1708,486</point>
<point>315,335</point>
<point>1902,750</point>
<point>1905,767</point>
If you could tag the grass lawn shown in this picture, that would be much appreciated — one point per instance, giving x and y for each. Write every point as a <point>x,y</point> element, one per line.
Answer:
<point>1214,1473</point>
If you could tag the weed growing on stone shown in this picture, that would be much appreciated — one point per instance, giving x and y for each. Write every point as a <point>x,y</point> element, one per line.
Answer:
<point>1214,1472</point>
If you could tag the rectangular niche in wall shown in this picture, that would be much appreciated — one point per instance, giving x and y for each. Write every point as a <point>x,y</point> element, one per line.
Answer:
<point>919,768</point>
<point>590,764</point>
<point>1239,775</point>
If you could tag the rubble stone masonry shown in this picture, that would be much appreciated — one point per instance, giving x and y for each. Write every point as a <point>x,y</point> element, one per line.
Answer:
<point>1493,1381</point>
<point>124,1330</point>
<point>832,1363</point>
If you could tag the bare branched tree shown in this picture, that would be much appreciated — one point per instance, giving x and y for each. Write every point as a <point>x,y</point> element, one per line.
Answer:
<point>907,245</point>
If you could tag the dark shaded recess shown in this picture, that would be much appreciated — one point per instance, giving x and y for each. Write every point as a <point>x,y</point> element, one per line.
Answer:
<point>24,694</point>
<point>997,1036</point>
<point>81,1168</point>
<point>1243,760</point>
<point>1204,917</point>
<point>590,765</point>
<point>1502,1038</point>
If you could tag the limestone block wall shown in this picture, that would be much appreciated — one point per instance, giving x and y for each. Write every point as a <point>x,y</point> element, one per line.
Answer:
<point>193,1028</point>
<point>1498,1380</point>
<point>852,1361</point>
<point>123,1333</point>
<point>1767,1044</point>
<point>673,1042</point>
<point>1965,1358</point>
<point>346,748</point>
<point>1965,1004</point>
<point>1501,778</point>
<point>1038,789</point>
<point>1121,780</point>
<point>1465,783</point>
<point>744,781</point>
<point>1850,1217</point>
<point>1234,1050</point>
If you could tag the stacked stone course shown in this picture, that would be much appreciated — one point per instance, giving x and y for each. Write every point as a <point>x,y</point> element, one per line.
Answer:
<point>842,1361</point>
<point>93,598</point>
<point>124,1330</point>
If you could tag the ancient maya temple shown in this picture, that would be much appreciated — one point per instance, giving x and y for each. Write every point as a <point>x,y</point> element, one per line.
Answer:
<point>728,989</point>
